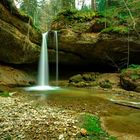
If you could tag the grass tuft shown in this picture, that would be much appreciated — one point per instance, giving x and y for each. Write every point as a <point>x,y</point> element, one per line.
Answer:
<point>93,126</point>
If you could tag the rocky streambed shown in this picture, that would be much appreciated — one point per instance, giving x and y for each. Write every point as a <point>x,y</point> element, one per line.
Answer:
<point>24,119</point>
<point>55,115</point>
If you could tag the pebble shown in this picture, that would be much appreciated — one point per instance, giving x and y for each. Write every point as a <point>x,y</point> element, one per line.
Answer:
<point>83,132</point>
<point>61,137</point>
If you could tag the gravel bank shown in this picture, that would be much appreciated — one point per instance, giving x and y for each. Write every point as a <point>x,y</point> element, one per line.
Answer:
<point>23,119</point>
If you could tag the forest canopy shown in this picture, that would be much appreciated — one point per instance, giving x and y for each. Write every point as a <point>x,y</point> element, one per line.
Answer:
<point>113,12</point>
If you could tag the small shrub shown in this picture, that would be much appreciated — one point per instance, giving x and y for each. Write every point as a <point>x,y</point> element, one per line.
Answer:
<point>89,77</point>
<point>134,66</point>
<point>105,84</point>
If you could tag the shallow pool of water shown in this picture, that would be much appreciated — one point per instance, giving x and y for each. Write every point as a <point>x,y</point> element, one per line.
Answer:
<point>116,117</point>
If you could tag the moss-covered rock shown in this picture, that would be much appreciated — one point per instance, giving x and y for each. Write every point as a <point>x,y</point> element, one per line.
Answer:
<point>103,80</point>
<point>76,78</point>
<point>99,40</point>
<point>83,80</point>
<point>105,84</point>
<point>130,78</point>
<point>79,21</point>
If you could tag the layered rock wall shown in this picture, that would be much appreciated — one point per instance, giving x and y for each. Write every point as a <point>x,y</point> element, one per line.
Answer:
<point>19,41</point>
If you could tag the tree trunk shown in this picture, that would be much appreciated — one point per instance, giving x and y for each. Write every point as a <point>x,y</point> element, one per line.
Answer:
<point>93,4</point>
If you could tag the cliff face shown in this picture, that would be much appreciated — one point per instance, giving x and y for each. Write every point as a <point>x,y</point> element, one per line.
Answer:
<point>19,42</point>
<point>91,39</point>
<point>96,49</point>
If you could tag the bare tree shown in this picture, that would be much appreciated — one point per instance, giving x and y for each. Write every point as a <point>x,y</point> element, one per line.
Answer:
<point>131,16</point>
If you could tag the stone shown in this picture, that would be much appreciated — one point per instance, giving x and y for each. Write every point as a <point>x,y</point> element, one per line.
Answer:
<point>83,132</point>
<point>61,137</point>
<point>130,79</point>
<point>86,77</point>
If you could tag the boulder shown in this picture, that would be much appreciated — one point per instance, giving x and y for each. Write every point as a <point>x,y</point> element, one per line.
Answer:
<point>130,79</point>
<point>83,80</point>
<point>90,79</point>
<point>76,78</point>
<point>19,41</point>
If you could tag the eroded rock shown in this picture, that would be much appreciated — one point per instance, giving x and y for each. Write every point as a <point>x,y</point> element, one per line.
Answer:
<point>19,41</point>
<point>95,50</point>
<point>14,77</point>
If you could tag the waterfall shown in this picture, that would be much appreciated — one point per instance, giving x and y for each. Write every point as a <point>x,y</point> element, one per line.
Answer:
<point>56,43</point>
<point>43,70</point>
<point>43,73</point>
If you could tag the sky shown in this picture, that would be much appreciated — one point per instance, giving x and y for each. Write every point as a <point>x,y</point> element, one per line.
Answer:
<point>17,4</point>
<point>78,3</point>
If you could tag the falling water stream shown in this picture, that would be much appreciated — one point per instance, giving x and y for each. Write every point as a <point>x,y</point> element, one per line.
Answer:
<point>43,70</point>
<point>56,43</point>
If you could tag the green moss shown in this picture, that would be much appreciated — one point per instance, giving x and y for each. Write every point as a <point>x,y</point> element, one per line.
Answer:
<point>93,126</point>
<point>4,94</point>
<point>8,137</point>
<point>82,27</point>
<point>105,84</point>
<point>133,71</point>
<point>135,76</point>
<point>133,67</point>
<point>116,29</point>
<point>103,20</point>
<point>75,16</point>
<point>28,19</point>
<point>84,16</point>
